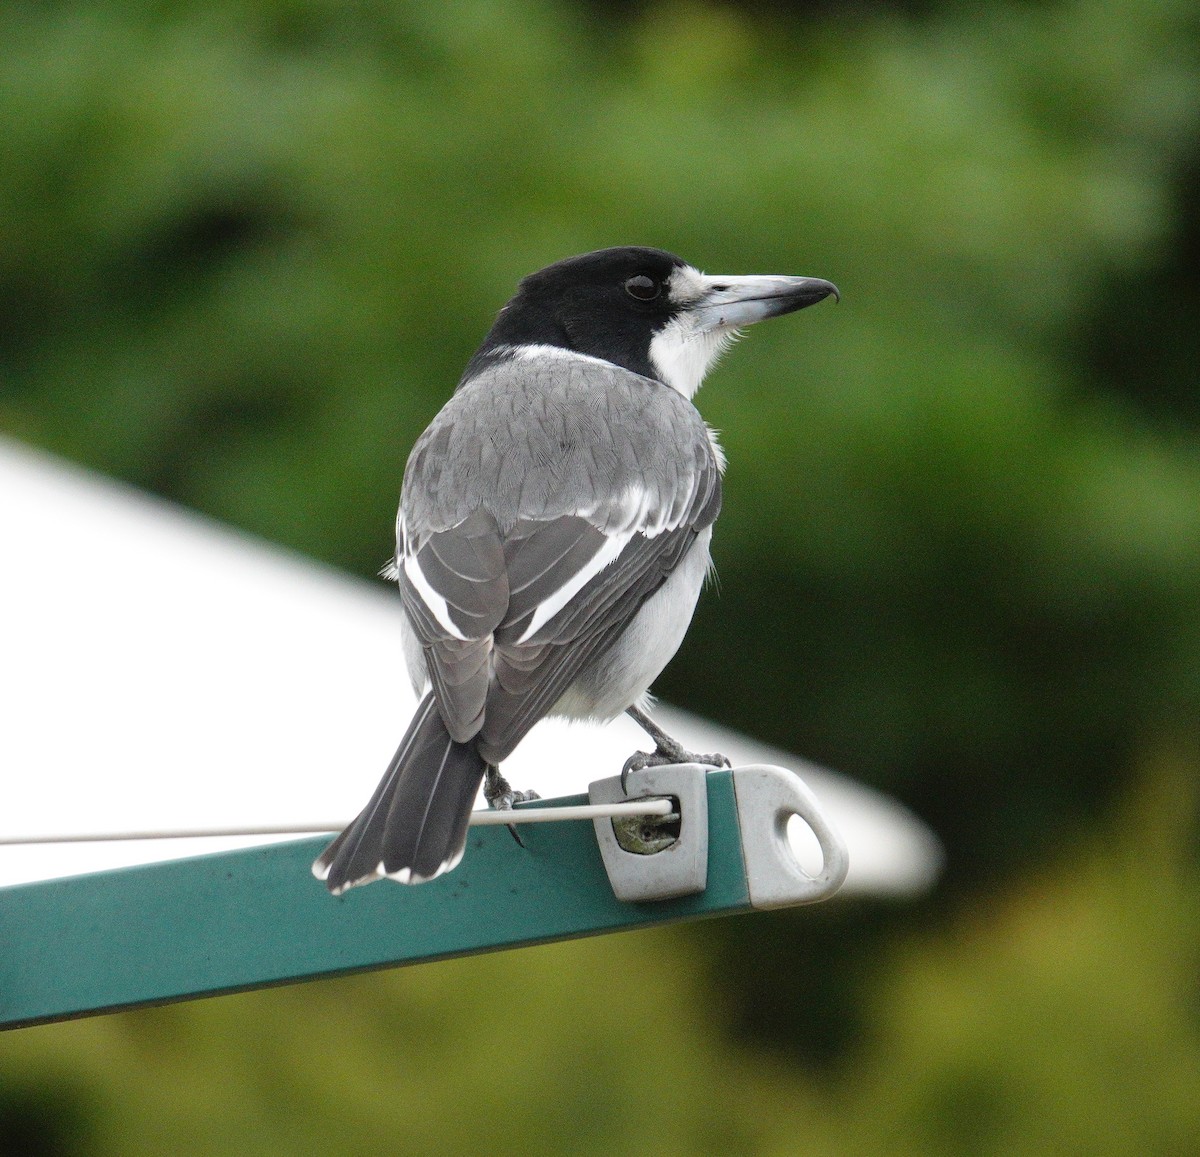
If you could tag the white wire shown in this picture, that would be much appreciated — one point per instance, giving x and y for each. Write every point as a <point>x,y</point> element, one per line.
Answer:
<point>536,815</point>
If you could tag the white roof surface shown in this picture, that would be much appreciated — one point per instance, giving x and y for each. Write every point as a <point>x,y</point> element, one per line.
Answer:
<point>161,671</point>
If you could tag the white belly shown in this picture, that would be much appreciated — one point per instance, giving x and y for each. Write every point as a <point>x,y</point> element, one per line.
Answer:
<point>621,676</point>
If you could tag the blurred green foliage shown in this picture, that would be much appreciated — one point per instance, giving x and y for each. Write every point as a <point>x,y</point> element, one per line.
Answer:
<point>246,248</point>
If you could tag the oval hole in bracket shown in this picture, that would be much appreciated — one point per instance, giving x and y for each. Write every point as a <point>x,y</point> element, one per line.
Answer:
<point>805,845</point>
<point>777,875</point>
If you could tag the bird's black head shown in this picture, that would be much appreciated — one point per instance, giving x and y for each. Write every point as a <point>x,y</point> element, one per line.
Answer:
<point>607,304</point>
<point>640,308</point>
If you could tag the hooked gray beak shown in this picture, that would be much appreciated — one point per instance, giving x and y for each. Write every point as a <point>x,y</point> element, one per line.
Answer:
<point>732,302</point>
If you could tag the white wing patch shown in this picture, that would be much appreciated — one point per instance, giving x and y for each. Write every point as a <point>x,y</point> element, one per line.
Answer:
<point>549,607</point>
<point>635,513</point>
<point>436,604</point>
<point>637,510</point>
<point>391,568</point>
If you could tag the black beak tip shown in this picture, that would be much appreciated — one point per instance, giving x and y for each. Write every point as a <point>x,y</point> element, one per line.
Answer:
<point>805,292</point>
<point>821,289</point>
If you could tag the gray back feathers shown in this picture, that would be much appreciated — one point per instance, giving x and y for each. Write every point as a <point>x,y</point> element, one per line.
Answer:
<point>542,439</point>
<point>545,503</point>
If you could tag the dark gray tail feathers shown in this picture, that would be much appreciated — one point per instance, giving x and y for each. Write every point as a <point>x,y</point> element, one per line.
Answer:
<point>415,826</point>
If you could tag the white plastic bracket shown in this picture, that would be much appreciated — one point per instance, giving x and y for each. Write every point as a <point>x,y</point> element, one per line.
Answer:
<point>673,860</point>
<point>680,868</point>
<point>767,798</point>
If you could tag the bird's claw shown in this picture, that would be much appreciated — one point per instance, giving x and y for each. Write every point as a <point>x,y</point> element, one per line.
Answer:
<point>500,796</point>
<point>664,756</point>
<point>499,792</point>
<point>505,799</point>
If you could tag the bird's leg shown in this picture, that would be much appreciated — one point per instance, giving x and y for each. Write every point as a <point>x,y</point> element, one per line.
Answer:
<point>499,795</point>
<point>666,750</point>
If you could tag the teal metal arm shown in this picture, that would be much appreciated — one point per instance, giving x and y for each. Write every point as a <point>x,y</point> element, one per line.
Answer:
<point>246,919</point>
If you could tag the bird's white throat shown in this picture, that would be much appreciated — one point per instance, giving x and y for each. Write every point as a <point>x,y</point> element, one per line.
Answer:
<point>684,350</point>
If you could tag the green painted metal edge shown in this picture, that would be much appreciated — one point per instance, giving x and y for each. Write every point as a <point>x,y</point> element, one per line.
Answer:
<point>247,919</point>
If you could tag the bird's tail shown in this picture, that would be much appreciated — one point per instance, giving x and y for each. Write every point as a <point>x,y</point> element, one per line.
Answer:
<point>415,826</point>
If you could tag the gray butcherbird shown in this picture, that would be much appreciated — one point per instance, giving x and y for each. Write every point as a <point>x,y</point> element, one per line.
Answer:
<point>553,535</point>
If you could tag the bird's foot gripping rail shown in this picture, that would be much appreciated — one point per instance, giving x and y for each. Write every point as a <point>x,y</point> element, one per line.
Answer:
<point>254,917</point>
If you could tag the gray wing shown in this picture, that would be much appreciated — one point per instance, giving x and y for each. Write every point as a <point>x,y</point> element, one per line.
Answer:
<point>538,515</point>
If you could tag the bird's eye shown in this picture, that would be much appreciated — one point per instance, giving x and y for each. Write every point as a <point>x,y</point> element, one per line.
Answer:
<point>643,288</point>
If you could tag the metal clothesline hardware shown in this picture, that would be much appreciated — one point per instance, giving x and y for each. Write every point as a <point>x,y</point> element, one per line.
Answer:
<point>525,815</point>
